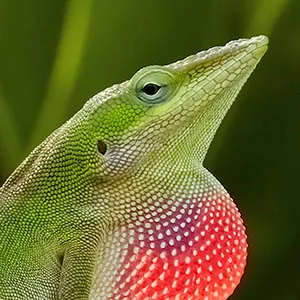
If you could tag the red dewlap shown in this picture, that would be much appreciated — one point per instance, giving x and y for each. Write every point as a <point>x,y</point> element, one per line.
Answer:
<point>197,252</point>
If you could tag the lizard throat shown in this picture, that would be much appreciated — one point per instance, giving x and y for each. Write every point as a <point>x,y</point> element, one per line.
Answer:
<point>194,248</point>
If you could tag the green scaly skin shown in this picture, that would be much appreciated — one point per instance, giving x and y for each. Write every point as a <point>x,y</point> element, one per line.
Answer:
<point>116,203</point>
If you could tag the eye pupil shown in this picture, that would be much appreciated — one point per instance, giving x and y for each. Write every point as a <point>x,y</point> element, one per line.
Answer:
<point>151,89</point>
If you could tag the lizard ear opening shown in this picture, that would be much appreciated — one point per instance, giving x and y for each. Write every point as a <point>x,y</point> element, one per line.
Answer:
<point>102,147</point>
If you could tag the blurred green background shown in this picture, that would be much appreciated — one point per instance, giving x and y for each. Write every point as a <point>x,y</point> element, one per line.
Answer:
<point>56,54</point>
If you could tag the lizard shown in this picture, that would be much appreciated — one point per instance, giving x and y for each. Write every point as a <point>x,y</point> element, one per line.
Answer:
<point>116,203</point>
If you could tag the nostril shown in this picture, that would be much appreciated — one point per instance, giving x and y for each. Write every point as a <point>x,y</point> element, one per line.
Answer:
<point>102,147</point>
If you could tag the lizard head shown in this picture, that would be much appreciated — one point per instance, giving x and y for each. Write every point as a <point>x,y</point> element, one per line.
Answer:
<point>170,112</point>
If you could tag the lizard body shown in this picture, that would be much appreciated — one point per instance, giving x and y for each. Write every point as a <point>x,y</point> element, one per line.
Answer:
<point>116,203</point>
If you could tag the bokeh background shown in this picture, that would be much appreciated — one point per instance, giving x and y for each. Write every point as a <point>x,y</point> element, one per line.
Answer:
<point>56,54</point>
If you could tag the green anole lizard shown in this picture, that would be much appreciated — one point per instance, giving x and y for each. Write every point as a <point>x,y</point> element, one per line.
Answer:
<point>116,203</point>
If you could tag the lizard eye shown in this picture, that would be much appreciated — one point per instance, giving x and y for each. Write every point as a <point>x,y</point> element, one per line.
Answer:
<point>153,85</point>
<point>151,92</point>
<point>151,89</point>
